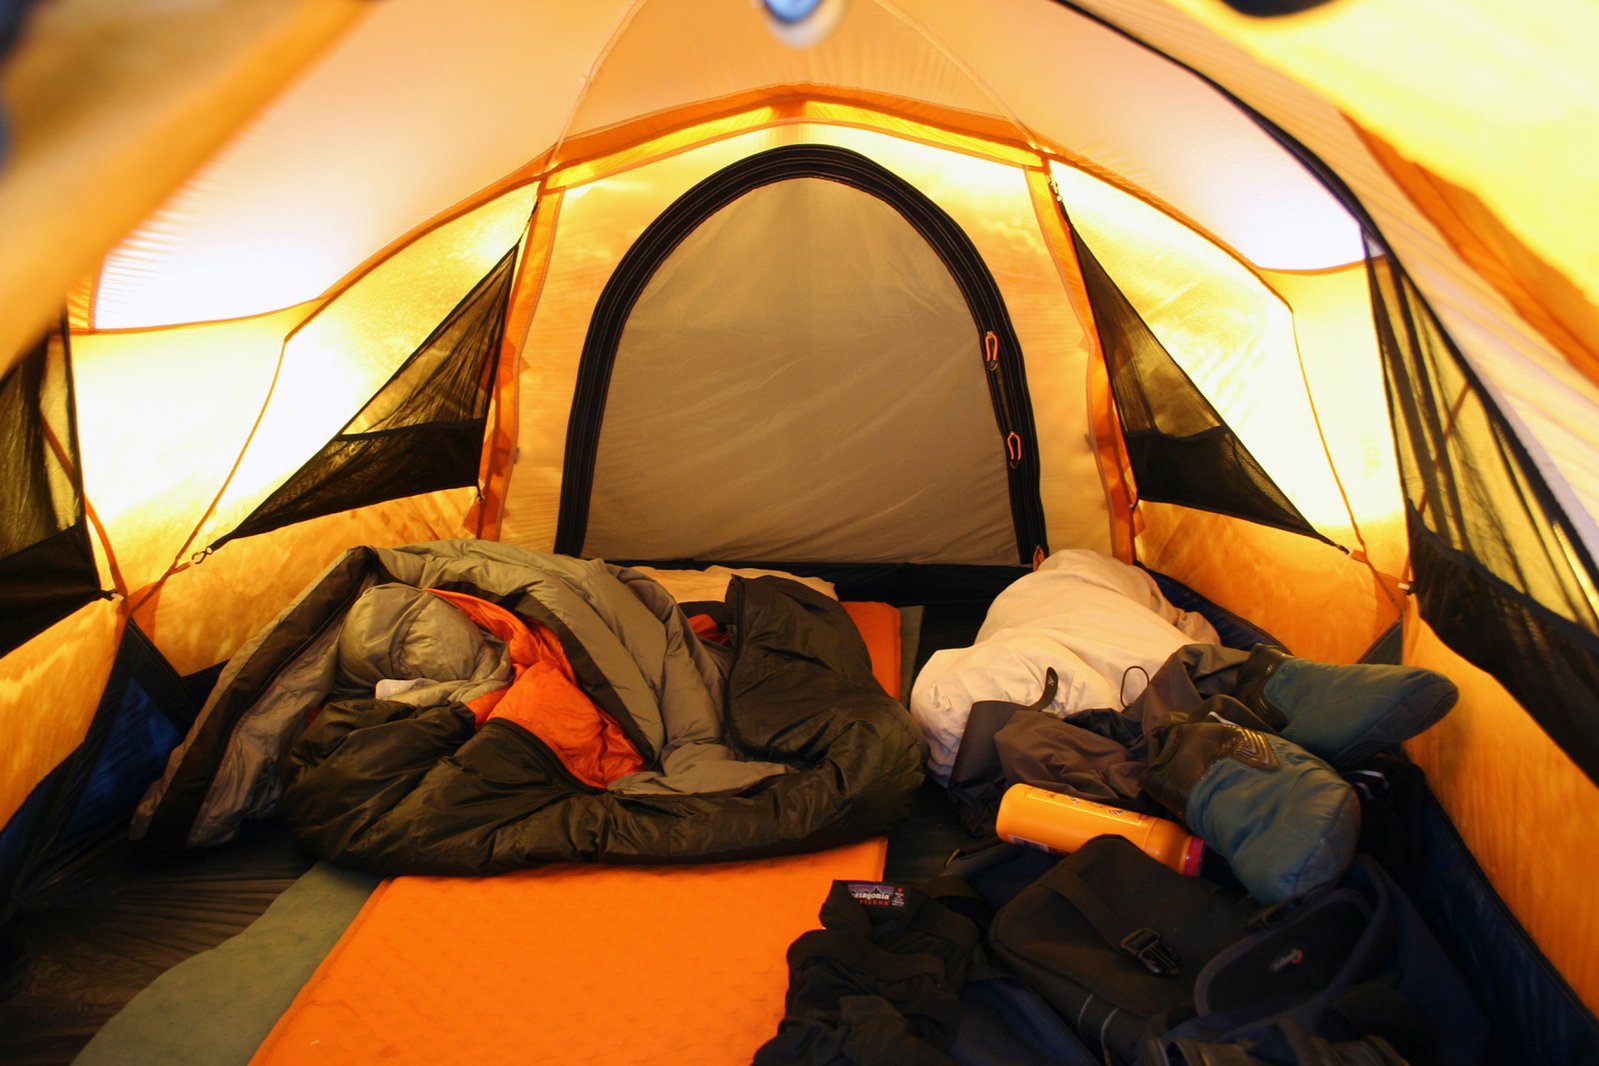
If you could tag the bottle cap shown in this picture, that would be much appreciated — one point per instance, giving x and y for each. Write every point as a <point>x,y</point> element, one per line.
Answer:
<point>1192,855</point>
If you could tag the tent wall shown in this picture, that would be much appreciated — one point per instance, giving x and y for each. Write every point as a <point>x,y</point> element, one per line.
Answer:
<point>1232,336</point>
<point>49,689</point>
<point>1310,596</point>
<point>202,612</point>
<point>1524,809</point>
<point>701,382</point>
<point>1342,374</point>
<point>164,420</point>
<point>1529,372</point>
<point>217,435</point>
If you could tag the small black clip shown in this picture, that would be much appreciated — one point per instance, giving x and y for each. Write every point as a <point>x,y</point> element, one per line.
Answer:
<point>1146,946</point>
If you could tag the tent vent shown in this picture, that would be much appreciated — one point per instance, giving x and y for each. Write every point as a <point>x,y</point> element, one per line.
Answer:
<point>1180,449</point>
<point>421,432</point>
<point>1272,8</point>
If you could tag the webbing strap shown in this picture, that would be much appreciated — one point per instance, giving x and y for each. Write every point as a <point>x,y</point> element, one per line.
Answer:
<point>1051,684</point>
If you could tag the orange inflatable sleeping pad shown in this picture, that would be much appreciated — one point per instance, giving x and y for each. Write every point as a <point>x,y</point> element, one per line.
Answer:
<point>575,963</point>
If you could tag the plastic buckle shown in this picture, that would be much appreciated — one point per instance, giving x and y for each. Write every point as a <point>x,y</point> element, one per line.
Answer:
<point>1146,946</point>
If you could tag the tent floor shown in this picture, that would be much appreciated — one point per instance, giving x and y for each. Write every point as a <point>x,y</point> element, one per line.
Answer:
<point>125,915</point>
<point>94,933</point>
<point>118,917</point>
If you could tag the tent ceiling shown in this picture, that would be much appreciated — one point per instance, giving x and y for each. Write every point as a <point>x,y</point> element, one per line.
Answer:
<point>108,106</point>
<point>1497,98</point>
<point>426,102</point>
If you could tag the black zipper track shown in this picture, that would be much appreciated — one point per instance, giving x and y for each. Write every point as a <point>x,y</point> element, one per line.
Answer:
<point>1007,379</point>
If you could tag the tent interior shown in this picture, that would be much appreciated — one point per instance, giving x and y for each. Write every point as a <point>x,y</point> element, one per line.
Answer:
<point>1295,311</point>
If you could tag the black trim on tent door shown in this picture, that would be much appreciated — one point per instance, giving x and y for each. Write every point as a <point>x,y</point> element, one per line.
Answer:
<point>995,338</point>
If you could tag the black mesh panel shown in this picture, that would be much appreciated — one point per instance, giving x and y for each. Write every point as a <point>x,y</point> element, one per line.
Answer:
<point>1180,449</point>
<point>1500,574</point>
<point>422,431</point>
<point>47,567</point>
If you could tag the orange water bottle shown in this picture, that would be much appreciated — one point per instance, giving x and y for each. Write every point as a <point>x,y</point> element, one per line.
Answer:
<point>1060,823</point>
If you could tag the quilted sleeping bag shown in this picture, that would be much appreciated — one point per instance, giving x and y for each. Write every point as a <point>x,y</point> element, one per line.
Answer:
<point>535,708</point>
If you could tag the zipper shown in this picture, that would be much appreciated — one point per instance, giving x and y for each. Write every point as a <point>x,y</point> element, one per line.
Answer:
<point>996,391</point>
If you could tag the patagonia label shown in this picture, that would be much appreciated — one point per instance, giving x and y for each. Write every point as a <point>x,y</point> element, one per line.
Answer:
<point>876,893</point>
